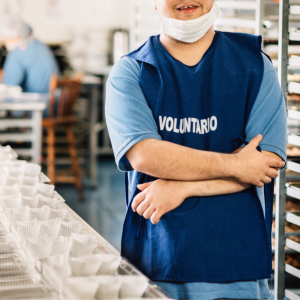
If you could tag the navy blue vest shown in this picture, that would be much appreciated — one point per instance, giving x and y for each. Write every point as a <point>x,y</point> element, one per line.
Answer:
<point>209,239</point>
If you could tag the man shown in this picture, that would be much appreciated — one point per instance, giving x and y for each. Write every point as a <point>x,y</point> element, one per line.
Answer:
<point>29,63</point>
<point>197,119</point>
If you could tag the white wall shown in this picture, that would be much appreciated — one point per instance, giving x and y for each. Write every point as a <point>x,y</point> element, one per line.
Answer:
<point>72,17</point>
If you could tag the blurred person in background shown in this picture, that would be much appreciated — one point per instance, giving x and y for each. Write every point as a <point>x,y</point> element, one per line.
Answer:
<point>29,63</point>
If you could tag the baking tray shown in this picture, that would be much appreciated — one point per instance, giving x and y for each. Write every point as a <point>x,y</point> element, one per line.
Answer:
<point>20,263</point>
<point>39,285</point>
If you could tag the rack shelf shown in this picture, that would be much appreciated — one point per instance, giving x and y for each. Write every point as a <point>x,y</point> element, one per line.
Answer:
<point>294,139</point>
<point>248,5</point>
<point>236,22</point>
<point>294,61</point>
<point>294,114</point>
<point>293,217</point>
<point>291,295</point>
<point>292,245</point>
<point>292,270</point>
<point>293,191</point>
<point>294,9</point>
<point>292,166</point>
<point>294,36</point>
<point>294,87</point>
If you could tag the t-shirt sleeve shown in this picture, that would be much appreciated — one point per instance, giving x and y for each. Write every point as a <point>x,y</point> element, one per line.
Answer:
<point>128,116</point>
<point>268,115</point>
<point>13,71</point>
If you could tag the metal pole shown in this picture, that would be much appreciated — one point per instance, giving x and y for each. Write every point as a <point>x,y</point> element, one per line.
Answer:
<point>94,108</point>
<point>283,42</point>
<point>259,17</point>
<point>106,140</point>
<point>279,276</point>
<point>36,136</point>
<point>132,45</point>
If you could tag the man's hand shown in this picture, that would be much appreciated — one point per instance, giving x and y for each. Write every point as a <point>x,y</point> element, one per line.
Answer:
<point>159,197</point>
<point>254,167</point>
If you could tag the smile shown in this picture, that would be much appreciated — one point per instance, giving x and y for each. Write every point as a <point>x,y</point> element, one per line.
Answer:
<point>187,7</point>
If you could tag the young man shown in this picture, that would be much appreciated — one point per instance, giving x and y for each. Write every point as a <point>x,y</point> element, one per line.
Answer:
<point>179,109</point>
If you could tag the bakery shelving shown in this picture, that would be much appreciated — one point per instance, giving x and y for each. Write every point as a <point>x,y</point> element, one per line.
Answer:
<point>144,22</point>
<point>283,189</point>
<point>245,15</point>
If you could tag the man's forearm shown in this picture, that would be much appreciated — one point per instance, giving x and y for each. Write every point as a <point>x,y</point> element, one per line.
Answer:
<point>171,161</point>
<point>213,187</point>
<point>167,160</point>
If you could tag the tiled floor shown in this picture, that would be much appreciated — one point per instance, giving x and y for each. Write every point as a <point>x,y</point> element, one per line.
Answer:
<point>104,207</point>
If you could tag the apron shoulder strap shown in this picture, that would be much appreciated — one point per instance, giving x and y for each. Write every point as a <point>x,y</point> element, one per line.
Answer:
<point>126,188</point>
<point>269,198</point>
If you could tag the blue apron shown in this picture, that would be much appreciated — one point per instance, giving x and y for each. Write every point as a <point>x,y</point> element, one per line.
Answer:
<point>206,107</point>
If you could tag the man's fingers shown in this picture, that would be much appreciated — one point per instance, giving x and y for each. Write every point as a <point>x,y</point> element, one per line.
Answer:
<point>142,207</point>
<point>155,218</point>
<point>137,200</point>
<point>275,163</point>
<point>255,141</point>
<point>273,173</point>
<point>143,186</point>
<point>260,184</point>
<point>149,212</point>
<point>266,179</point>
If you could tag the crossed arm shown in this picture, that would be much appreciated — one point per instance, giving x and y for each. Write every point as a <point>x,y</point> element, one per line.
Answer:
<point>187,172</point>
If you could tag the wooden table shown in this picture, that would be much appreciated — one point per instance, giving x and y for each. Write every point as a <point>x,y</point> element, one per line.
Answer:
<point>34,122</point>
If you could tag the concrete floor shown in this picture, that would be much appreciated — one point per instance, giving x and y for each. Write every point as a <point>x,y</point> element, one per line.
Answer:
<point>104,207</point>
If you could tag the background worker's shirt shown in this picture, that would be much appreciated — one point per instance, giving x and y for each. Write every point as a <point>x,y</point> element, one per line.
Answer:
<point>31,68</point>
<point>130,120</point>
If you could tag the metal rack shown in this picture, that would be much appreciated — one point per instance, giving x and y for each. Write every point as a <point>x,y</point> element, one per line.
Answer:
<point>282,189</point>
<point>253,20</point>
<point>145,22</point>
<point>33,125</point>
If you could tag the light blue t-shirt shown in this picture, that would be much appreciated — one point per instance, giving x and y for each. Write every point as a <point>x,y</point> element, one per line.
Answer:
<point>31,68</point>
<point>130,120</point>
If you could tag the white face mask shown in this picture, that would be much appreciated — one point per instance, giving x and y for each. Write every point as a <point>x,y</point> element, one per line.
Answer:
<point>192,30</point>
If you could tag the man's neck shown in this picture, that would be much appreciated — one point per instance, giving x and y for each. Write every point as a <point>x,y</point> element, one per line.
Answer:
<point>188,54</point>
